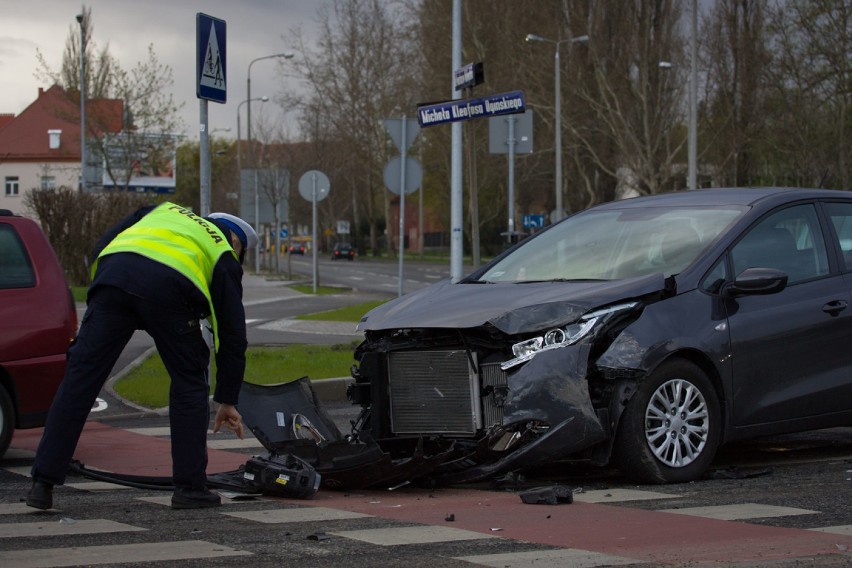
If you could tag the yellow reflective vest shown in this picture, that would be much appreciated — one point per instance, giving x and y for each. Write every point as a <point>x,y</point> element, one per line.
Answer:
<point>180,239</point>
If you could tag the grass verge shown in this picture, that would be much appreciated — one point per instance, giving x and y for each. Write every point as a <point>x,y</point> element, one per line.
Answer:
<point>346,313</point>
<point>148,384</point>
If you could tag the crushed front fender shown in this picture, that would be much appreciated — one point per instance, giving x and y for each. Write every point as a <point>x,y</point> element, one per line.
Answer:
<point>552,389</point>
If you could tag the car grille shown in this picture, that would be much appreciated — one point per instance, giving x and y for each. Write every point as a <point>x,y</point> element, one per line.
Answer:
<point>438,392</point>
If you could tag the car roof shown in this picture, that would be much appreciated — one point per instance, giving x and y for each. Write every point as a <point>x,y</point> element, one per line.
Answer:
<point>747,196</point>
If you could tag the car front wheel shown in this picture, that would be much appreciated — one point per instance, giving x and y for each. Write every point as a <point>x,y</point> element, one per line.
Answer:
<point>670,429</point>
<point>7,420</point>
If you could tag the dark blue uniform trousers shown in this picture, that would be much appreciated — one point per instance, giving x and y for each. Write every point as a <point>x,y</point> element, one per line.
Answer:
<point>110,320</point>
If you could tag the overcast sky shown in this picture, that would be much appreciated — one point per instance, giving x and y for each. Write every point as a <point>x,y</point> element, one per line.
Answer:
<point>255,28</point>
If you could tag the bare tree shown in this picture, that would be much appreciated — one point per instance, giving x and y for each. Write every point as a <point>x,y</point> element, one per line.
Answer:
<point>737,59</point>
<point>360,73</point>
<point>632,131</point>
<point>98,64</point>
<point>149,121</point>
<point>73,221</point>
<point>810,85</point>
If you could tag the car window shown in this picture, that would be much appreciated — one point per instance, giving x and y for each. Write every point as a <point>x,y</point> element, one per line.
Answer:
<point>615,244</point>
<point>789,240</point>
<point>841,218</point>
<point>715,278</point>
<point>16,271</point>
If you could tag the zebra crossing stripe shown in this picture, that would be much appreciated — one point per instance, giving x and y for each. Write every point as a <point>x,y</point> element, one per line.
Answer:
<point>423,534</point>
<point>739,511</point>
<point>549,559</point>
<point>63,527</point>
<point>117,553</point>
<point>619,495</point>
<point>297,515</point>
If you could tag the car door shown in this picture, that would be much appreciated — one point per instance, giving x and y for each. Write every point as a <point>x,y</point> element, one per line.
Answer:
<point>790,355</point>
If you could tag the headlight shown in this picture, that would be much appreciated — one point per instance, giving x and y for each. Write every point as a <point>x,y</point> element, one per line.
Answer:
<point>562,336</point>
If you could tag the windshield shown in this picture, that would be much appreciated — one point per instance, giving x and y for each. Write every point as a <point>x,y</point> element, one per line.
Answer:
<point>615,244</point>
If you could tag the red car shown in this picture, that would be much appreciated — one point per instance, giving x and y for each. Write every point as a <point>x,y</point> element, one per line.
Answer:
<point>38,321</point>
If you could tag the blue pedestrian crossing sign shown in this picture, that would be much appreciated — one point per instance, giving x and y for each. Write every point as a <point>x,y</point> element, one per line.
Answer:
<point>210,69</point>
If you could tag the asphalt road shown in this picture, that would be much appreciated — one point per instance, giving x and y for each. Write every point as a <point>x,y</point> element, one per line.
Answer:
<point>763,504</point>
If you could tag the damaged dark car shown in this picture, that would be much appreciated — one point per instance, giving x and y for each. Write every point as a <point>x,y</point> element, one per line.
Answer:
<point>642,333</point>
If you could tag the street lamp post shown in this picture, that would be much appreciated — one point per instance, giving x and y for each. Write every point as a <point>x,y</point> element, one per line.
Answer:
<point>558,126</point>
<point>262,99</point>
<point>691,176</point>
<point>248,137</point>
<point>693,96</point>
<point>83,185</point>
<point>248,92</point>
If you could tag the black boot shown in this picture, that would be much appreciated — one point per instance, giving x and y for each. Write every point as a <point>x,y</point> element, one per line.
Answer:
<point>40,495</point>
<point>186,498</point>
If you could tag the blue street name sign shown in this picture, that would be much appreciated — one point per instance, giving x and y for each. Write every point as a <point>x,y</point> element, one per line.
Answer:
<point>210,68</point>
<point>454,111</point>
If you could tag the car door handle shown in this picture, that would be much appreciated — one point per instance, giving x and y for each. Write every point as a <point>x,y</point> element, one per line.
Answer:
<point>835,307</point>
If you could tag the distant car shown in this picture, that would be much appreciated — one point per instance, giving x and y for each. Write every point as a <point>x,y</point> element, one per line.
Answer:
<point>644,332</point>
<point>38,321</point>
<point>343,250</point>
<point>297,249</point>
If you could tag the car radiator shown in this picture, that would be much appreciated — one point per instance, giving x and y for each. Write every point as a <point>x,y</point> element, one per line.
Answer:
<point>440,392</point>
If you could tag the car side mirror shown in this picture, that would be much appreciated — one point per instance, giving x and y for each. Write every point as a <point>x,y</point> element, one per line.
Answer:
<point>756,282</point>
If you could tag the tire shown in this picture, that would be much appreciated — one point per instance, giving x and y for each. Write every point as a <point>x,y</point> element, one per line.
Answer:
<point>670,429</point>
<point>7,421</point>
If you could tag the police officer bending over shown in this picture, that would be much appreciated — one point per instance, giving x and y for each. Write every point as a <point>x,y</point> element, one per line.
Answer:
<point>163,269</point>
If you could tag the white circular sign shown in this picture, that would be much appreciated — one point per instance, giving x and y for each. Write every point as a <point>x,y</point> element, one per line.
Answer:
<point>314,181</point>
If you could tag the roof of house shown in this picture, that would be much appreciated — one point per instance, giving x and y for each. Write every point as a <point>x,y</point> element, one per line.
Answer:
<point>26,137</point>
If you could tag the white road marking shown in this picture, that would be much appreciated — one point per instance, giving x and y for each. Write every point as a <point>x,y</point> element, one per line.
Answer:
<point>117,554</point>
<point>425,534</point>
<point>549,559</point>
<point>739,511</point>
<point>54,528</point>
<point>300,515</point>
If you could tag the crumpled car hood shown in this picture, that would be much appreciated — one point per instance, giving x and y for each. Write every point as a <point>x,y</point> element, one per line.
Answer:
<point>511,307</point>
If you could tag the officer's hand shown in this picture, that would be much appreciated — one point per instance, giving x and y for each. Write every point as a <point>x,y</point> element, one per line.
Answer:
<point>228,416</point>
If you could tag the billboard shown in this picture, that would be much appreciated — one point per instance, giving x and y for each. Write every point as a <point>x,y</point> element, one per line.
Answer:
<point>140,162</point>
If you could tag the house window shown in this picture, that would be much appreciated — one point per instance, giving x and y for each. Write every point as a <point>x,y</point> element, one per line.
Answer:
<point>48,182</point>
<point>11,186</point>
<point>54,137</point>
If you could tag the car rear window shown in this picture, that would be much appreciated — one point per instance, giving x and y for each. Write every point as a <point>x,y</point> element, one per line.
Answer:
<point>16,270</point>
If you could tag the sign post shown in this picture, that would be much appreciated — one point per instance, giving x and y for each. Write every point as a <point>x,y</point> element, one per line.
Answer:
<point>510,135</point>
<point>211,85</point>
<point>314,187</point>
<point>403,132</point>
